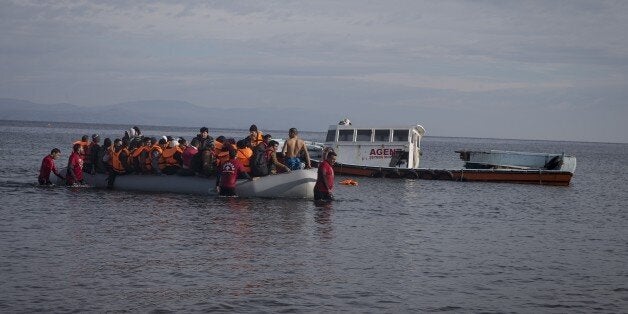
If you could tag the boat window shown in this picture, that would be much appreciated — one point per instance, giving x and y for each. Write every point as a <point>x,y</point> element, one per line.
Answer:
<point>345,135</point>
<point>363,136</point>
<point>382,135</point>
<point>331,136</point>
<point>400,135</point>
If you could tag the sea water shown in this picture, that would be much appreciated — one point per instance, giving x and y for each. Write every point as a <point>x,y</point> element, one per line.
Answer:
<point>386,245</point>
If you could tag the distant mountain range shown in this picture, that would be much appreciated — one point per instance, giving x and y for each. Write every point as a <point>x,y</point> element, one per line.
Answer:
<point>167,113</point>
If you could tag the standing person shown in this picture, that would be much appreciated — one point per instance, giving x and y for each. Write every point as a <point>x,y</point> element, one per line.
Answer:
<point>85,143</point>
<point>48,166</point>
<point>293,148</point>
<point>102,163</point>
<point>204,138</point>
<point>255,136</point>
<point>229,173</point>
<point>91,155</point>
<point>324,187</point>
<point>75,166</point>
<point>260,160</point>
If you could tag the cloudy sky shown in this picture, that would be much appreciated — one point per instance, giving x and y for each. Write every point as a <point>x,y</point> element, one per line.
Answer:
<point>553,70</point>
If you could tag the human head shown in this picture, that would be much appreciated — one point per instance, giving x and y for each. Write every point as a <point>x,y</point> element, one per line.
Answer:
<point>55,152</point>
<point>173,144</point>
<point>117,143</point>
<point>241,144</point>
<point>137,131</point>
<point>232,153</point>
<point>267,138</point>
<point>182,142</point>
<point>153,141</point>
<point>293,132</point>
<point>331,157</point>
<point>95,138</point>
<point>163,141</point>
<point>204,131</point>
<point>253,128</point>
<point>85,138</point>
<point>147,141</point>
<point>273,144</point>
<point>220,139</point>
<point>107,142</point>
<point>195,142</point>
<point>77,148</point>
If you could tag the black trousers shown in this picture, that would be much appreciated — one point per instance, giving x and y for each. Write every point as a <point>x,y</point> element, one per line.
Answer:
<point>322,196</point>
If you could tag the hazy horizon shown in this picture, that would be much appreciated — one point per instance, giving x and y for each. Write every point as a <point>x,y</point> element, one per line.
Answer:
<point>541,70</point>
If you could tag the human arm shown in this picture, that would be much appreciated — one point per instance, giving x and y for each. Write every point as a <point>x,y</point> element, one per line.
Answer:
<point>55,171</point>
<point>308,164</point>
<point>273,158</point>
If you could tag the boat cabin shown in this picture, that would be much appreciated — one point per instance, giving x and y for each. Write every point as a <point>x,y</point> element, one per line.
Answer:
<point>376,147</point>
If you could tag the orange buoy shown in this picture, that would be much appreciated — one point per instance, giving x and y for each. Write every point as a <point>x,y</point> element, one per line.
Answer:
<point>349,182</point>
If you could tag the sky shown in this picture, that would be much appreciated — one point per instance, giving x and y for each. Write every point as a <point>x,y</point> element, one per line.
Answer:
<point>553,70</point>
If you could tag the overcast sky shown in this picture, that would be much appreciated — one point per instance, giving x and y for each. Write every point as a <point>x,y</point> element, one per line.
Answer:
<point>553,70</point>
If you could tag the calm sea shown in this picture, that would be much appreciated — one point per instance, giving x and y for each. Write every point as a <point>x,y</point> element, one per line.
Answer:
<point>387,245</point>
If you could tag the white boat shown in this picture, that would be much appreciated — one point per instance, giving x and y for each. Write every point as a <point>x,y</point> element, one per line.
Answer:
<point>500,159</point>
<point>395,152</point>
<point>396,147</point>
<point>294,184</point>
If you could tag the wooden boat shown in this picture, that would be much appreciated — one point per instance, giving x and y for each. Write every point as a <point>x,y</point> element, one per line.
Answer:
<point>394,152</point>
<point>295,184</point>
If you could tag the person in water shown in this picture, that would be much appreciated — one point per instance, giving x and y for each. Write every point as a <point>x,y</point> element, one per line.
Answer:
<point>293,148</point>
<point>324,187</point>
<point>229,173</point>
<point>75,166</point>
<point>48,166</point>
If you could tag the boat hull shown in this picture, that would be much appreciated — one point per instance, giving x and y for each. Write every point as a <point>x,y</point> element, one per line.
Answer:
<point>542,177</point>
<point>295,184</point>
<point>498,159</point>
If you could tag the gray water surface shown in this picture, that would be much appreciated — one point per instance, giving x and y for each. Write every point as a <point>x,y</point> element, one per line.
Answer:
<point>387,245</point>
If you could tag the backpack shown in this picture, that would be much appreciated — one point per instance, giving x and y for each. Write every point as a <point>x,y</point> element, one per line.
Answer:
<point>259,161</point>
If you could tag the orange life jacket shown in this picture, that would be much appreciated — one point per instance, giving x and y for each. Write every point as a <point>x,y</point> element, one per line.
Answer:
<point>217,147</point>
<point>258,139</point>
<point>109,153</point>
<point>116,163</point>
<point>167,157</point>
<point>223,156</point>
<point>149,160</point>
<point>244,156</point>
<point>85,146</point>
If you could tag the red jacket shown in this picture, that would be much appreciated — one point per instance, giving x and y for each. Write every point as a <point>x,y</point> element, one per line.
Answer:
<point>229,173</point>
<point>75,162</point>
<point>48,166</point>
<point>325,169</point>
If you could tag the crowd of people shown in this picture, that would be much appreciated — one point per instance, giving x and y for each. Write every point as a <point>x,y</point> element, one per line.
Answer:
<point>225,158</point>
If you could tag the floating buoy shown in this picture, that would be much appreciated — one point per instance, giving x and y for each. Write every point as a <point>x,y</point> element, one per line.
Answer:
<point>349,182</point>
